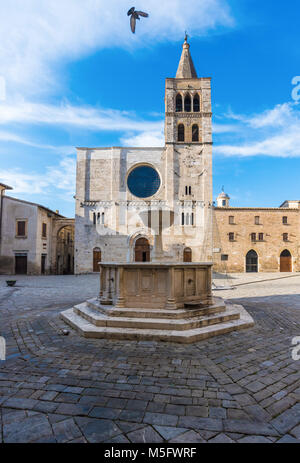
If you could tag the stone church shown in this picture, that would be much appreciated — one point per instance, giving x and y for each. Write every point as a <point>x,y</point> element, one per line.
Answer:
<point>151,204</point>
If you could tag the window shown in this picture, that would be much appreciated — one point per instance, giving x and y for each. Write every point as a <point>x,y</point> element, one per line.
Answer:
<point>231,236</point>
<point>260,237</point>
<point>224,202</point>
<point>179,103</point>
<point>285,236</point>
<point>224,257</point>
<point>256,221</point>
<point>284,220</point>
<point>195,133</point>
<point>231,220</point>
<point>143,181</point>
<point>102,218</point>
<point>192,218</point>
<point>253,237</point>
<point>187,104</point>
<point>188,190</point>
<point>196,104</point>
<point>94,218</point>
<point>182,218</point>
<point>21,227</point>
<point>44,230</point>
<point>180,129</point>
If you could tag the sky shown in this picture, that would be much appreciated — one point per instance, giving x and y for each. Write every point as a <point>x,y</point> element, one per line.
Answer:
<point>72,74</point>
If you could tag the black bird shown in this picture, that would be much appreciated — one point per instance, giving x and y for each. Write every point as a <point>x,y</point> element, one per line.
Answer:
<point>134,16</point>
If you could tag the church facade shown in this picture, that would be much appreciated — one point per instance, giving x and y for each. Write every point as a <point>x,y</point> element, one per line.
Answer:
<point>151,204</point>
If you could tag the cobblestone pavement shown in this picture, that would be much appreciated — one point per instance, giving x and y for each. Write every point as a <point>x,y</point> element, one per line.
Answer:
<point>239,387</point>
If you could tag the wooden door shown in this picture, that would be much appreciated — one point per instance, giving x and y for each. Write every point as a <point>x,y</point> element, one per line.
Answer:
<point>21,265</point>
<point>187,255</point>
<point>43,264</point>
<point>286,262</point>
<point>252,262</point>
<point>96,259</point>
<point>142,250</point>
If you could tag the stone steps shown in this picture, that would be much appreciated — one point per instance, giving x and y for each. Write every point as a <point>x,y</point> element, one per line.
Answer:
<point>240,321</point>
<point>100,319</point>
<point>218,306</point>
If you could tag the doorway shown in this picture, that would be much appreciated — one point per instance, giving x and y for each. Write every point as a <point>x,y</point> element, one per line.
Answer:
<point>252,262</point>
<point>187,255</point>
<point>21,265</point>
<point>96,259</point>
<point>142,250</point>
<point>43,264</point>
<point>286,261</point>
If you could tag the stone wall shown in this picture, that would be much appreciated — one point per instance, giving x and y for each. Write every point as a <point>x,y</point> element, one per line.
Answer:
<point>268,250</point>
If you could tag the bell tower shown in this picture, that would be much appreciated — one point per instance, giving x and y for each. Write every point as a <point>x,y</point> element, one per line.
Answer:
<point>188,142</point>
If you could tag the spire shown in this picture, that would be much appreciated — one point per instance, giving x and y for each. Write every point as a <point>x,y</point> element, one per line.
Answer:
<point>186,68</point>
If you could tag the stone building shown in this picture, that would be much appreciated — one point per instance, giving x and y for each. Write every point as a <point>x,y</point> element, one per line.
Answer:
<point>256,239</point>
<point>29,237</point>
<point>151,204</point>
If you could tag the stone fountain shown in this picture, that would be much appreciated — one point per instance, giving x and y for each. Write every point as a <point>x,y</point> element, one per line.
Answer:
<point>161,301</point>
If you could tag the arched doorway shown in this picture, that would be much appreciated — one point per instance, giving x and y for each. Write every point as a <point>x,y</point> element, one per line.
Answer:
<point>252,262</point>
<point>142,250</point>
<point>187,255</point>
<point>286,261</point>
<point>96,259</point>
<point>64,250</point>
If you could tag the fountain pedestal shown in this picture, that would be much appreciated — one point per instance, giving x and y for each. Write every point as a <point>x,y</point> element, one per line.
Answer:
<point>157,302</point>
<point>155,285</point>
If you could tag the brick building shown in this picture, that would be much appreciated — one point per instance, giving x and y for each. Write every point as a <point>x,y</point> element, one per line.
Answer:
<point>256,239</point>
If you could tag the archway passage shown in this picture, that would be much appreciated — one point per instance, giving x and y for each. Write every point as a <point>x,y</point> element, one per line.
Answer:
<point>286,261</point>
<point>142,250</point>
<point>96,259</point>
<point>187,255</point>
<point>65,250</point>
<point>252,262</point>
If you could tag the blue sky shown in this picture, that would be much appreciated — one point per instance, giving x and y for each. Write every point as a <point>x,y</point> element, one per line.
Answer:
<point>72,74</point>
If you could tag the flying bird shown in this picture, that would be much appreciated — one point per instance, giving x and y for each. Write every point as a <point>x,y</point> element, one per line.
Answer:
<point>134,16</point>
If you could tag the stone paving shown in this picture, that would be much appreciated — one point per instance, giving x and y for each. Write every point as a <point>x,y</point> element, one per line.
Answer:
<point>239,387</point>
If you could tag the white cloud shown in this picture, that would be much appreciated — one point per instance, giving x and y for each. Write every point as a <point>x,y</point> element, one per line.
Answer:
<point>280,116</point>
<point>67,115</point>
<point>153,138</point>
<point>13,137</point>
<point>275,132</point>
<point>60,178</point>
<point>37,36</point>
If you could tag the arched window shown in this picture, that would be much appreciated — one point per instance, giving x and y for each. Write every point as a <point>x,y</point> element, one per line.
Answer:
<point>180,132</point>
<point>182,218</point>
<point>195,133</point>
<point>187,104</point>
<point>102,218</point>
<point>187,255</point>
<point>98,218</point>
<point>192,218</point>
<point>94,218</point>
<point>196,104</point>
<point>179,103</point>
